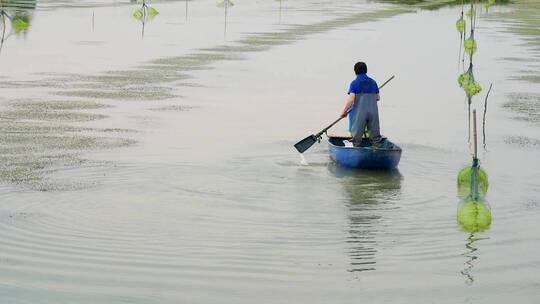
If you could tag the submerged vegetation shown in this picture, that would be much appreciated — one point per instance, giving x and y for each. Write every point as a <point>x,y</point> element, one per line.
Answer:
<point>37,142</point>
<point>524,21</point>
<point>437,4</point>
<point>33,141</point>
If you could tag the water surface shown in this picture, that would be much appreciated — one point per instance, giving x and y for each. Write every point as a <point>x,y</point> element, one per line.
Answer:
<point>160,169</point>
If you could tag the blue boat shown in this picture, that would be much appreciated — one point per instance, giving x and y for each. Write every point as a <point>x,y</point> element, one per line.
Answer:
<point>364,156</point>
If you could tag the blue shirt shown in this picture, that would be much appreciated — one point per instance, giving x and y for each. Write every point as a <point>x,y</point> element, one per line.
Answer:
<point>362,84</point>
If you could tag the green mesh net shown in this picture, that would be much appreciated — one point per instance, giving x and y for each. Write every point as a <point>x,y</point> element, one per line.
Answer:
<point>460,25</point>
<point>471,13</point>
<point>20,25</point>
<point>152,12</point>
<point>225,2</point>
<point>465,180</point>
<point>144,12</point>
<point>474,213</point>
<point>138,14</point>
<point>470,45</point>
<point>468,83</point>
<point>474,216</point>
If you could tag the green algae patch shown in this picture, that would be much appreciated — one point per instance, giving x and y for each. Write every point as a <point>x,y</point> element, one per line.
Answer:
<point>128,94</point>
<point>191,62</point>
<point>524,21</point>
<point>145,82</point>
<point>34,140</point>
<point>530,77</point>
<point>437,4</point>
<point>522,141</point>
<point>474,216</point>
<point>526,105</point>
<point>28,159</point>
<point>56,111</point>
<point>255,43</point>
<point>39,140</point>
<point>57,105</point>
<point>406,2</point>
<point>35,114</point>
<point>174,108</point>
<point>143,76</point>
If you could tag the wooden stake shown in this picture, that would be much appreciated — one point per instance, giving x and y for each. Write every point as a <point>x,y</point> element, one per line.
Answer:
<point>475,136</point>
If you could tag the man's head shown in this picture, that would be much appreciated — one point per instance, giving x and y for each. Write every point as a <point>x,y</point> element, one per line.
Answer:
<point>360,68</point>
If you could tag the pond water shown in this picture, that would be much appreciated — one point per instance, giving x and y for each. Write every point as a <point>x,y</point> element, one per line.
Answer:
<point>160,168</point>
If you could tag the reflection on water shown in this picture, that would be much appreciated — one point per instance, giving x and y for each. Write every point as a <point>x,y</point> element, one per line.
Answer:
<point>187,8</point>
<point>15,18</point>
<point>280,10</point>
<point>144,14</point>
<point>367,193</point>
<point>225,6</point>
<point>471,256</point>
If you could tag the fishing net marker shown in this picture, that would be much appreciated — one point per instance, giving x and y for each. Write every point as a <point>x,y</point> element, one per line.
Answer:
<point>474,213</point>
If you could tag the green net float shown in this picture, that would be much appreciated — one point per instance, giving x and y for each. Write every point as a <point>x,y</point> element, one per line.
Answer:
<point>464,79</point>
<point>465,174</point>
<point>464,181</point>
<point>138,14</point>
<point>20,25</point>
<point>474,216</point>
<point>472,88</point>
<point>152,12</point>
<point>222,4</point>
<point>465,189</point>
<point>460,25</point>
<point>470,46</point>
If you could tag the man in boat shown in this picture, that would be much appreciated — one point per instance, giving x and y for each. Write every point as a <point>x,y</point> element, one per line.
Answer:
<point>362,102</point>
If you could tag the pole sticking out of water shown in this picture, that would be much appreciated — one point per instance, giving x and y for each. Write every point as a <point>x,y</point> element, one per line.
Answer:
<point>474,172</point>
<point>186,9</point>
<point>93,21</point>
<point>3,16</point>
<point>145,16</point>
<point>484,116</point>
<point>475,136</point>
<point>226,3</point>
<point>280,9</point>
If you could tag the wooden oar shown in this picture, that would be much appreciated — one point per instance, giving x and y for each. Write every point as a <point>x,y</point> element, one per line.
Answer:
<point>309,141</point>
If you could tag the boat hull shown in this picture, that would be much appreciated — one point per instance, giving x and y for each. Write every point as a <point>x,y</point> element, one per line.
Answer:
<point>364,156</point>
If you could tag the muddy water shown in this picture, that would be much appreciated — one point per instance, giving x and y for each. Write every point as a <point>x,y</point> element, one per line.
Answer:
<point>160,169</point>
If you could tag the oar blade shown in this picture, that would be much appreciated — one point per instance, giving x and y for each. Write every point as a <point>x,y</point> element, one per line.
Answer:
<point>305,143</point>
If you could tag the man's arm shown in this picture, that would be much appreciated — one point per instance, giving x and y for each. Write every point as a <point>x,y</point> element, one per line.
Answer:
<point>378,97</point>
<point>348,105</point>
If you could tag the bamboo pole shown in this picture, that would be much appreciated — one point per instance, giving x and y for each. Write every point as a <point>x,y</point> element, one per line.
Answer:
<point>475,136</point>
